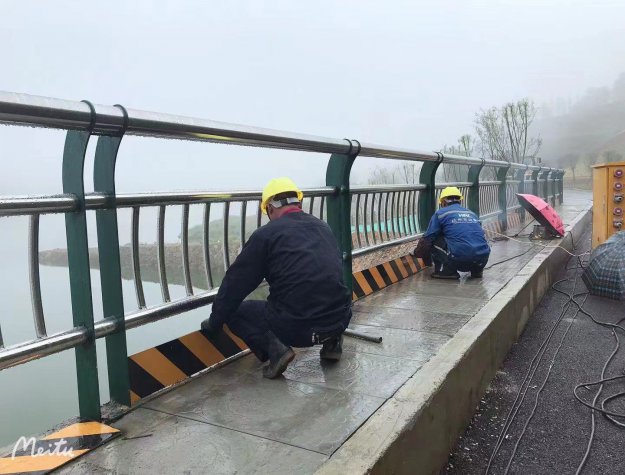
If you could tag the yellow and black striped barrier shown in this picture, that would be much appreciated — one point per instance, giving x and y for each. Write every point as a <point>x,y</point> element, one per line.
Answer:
<point>38,456</point>
<point>156,368</point>
<point>370,280</point>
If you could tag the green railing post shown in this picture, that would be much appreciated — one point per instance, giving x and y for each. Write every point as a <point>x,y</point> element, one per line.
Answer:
<point>339,206</point>
<point>551,189</point>
<point>520,176</point>
<point>427,197</point>
<point>79,274</point>
<point>544,176</point>
<point>535,183</point>
<point>502,174</point>
<point>561,185</point>
<point>110,268</point>
<point>473,198</point>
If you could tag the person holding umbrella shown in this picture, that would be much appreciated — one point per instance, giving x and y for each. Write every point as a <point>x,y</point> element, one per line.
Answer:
<point>454,240</point>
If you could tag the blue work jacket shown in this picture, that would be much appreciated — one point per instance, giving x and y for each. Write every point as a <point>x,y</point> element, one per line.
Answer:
<point>462,231</point>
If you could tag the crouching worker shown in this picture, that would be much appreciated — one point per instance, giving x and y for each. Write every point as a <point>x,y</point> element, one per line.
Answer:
<point>297,254</point>
<point>454,240</point>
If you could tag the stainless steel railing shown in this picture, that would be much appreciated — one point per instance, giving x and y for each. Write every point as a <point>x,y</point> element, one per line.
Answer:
<point>379,216</point>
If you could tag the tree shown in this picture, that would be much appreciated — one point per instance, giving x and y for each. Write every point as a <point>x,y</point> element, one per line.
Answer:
<point>409,172</point>
<point>465,147</point>
<point>383,176</point>
<point>610,156</point>
<point>504,132</point>
<point>589,160</point>
<point>570,160</point>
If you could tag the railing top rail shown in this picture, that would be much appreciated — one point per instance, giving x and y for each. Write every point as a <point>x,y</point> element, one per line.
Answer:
<point>25,109</point>
<point>38,111</point>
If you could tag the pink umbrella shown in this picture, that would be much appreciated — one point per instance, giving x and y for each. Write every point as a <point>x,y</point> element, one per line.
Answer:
<point>542,212</point>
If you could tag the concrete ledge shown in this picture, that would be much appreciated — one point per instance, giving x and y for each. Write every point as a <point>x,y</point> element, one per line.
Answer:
<point>414,431</point>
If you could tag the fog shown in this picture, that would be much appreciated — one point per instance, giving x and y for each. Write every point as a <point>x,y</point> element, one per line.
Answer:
<point>410,74</point>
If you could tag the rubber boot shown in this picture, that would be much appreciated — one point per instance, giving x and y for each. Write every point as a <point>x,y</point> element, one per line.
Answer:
<point>332,349</point>
<point>280,356</point>
<point>441,273</point>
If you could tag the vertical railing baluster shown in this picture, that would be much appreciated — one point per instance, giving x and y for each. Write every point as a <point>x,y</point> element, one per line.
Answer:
<point>387,223</point>
<point>323,202</point>
<point>226,249</point>
<point>33,274</point>
<point>243,219</point>
<point>375,241</point>
<point>311,202</point>
<point>136,265</point>
<point>160,253</point>
<point>259,215</point>
<point>364,212</point>
<point>358,220</point>
<point>393,214</point>
<point>411,199</point>
<point>184,237</point>
<point>206,245</point>
<point>404,213</point>
<point>1,339</point>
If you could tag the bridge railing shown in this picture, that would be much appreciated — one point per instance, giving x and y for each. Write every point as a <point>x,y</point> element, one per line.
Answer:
<point>364,219</point>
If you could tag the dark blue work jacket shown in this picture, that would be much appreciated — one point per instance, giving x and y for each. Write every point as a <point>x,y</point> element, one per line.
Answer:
<point>297,254</point>
<point>462,231</point>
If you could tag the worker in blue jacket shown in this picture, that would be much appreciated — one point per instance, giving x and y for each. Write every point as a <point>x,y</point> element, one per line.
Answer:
<point>454,239</point>
<point>297,254</point>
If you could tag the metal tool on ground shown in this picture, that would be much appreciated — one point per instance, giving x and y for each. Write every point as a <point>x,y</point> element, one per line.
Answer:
<point>362,336</point>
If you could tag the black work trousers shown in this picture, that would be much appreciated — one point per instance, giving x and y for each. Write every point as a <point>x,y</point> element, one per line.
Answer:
<point>444,262</point>
<point>252,321</point>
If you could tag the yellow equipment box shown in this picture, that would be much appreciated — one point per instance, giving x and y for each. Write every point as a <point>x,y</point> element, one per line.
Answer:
<point>608,188</point>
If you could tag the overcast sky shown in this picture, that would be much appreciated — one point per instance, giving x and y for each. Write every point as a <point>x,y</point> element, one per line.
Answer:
<point>408,74</point>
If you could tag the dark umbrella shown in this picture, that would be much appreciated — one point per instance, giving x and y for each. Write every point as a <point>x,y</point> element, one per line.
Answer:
<point>605,273</point>
<point>542,212</point>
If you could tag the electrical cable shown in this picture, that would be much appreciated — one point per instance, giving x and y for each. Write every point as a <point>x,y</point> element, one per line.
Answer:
<point>544,383</point>
<point>591,438</point>
<point>535,360</point>
<point>520,397</point>
<point>595,383</point>
<point>531,244</point>
<point>607,414</point>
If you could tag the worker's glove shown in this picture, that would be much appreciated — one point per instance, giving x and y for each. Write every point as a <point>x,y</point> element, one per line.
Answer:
<point>423,249</point>
<point>210,329</point>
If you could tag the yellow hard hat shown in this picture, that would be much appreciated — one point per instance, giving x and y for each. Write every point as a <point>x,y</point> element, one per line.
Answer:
<point>276,187</point>
<point>449,191</point>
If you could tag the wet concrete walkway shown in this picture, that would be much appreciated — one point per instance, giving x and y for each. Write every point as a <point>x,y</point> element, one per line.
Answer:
<point>234,421</point>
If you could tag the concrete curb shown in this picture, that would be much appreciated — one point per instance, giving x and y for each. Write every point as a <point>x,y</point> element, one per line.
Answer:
<point>414,431</point>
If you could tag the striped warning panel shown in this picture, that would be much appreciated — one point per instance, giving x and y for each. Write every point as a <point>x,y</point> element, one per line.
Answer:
<point>174,361</point>
<point>38,456</point>
<point>370,280</point>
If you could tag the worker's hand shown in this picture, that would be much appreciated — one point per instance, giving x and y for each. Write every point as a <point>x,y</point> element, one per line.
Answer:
<point>210,329</point>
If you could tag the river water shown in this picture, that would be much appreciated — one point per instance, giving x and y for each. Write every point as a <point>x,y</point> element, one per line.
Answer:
<point>40,394</point>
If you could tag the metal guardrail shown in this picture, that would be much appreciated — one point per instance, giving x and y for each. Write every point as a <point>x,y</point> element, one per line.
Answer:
<point>363,218</point>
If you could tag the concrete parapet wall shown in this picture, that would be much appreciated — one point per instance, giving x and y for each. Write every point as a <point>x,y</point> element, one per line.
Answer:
<point>414,431</point>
